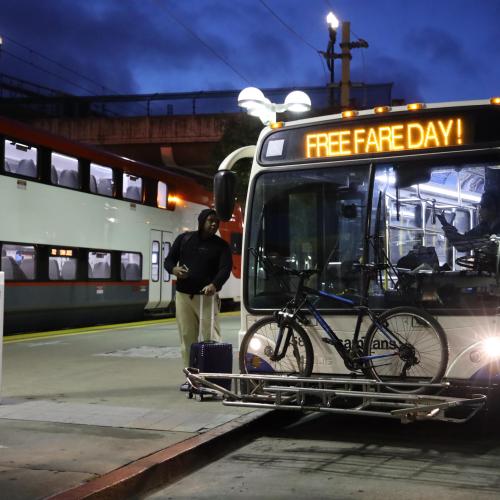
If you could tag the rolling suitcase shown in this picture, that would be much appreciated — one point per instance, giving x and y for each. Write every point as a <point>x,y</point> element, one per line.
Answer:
<point>211,356</point>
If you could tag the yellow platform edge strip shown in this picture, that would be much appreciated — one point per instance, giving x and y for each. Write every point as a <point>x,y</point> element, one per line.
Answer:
<point>24,337</point>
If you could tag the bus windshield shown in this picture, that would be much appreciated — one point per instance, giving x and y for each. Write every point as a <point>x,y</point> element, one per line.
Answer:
<point>303,219</point>
<point>431,223</point>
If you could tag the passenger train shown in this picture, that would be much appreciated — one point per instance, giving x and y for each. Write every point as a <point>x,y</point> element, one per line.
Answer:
<point>84,232</point>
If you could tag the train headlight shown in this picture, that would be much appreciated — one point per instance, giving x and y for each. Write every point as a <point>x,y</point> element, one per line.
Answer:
<point>491,347</point>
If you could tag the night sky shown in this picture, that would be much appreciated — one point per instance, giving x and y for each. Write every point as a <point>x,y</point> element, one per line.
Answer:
<point>433,50</point>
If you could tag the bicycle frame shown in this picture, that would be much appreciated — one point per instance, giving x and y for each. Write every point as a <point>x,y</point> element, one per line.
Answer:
<point>350,357</point>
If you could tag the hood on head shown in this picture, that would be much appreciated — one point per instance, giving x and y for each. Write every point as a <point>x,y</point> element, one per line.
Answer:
<point>204,215</point>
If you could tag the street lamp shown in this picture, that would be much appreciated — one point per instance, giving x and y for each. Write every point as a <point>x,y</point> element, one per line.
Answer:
<point>253,100</point>
<point>333,24</point>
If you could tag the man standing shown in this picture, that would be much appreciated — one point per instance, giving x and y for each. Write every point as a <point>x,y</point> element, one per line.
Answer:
<point>202,263</point>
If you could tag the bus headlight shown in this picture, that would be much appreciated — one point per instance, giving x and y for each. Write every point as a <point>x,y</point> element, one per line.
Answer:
<point>491,347</point>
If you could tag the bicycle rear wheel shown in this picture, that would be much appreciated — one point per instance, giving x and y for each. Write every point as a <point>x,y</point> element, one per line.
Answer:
<point>419,355</point>
<point>259,343</point>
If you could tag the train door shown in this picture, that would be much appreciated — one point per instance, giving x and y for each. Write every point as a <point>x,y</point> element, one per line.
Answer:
<point>160,282</point>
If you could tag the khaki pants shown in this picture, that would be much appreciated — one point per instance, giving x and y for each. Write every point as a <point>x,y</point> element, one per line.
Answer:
<point>187,313</point>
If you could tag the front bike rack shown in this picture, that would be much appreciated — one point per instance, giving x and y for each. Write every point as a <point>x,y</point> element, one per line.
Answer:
<point>343,395</point>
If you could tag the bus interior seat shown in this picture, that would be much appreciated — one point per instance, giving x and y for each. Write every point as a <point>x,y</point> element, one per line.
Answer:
<point>92,184</point>
<point>68,271</point>
<point>54,272</point>
<point>101,270</point>
<point>27,168</point>
<point>89,271</point>
<point>133,272</point>
<point>133,193</point>
<point>54,177</point>
<point>11,269</point>
<point>105,187</point>
<point>122,272</point>
<point>7,166</point>
<point>69,178</point>
<point>27,266</point>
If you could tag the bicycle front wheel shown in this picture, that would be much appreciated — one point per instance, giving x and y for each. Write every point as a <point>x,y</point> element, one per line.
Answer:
<point>259,343</point>
<point>417,351</point>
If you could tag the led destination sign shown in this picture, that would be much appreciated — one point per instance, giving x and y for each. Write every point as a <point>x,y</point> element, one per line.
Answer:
<point>386,137</point>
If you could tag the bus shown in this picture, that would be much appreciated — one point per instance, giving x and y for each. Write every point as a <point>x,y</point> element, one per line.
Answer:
<point>84,233</point>
<point>378,186</point>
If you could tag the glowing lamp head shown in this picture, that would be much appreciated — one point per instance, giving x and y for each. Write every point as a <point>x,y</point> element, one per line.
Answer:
<point>495,101</point>
<point>297,102</point>
<point>250,98</point>
<point>332,21</point>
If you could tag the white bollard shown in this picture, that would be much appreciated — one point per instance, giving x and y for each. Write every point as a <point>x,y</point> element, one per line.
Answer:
<point>2,288</point>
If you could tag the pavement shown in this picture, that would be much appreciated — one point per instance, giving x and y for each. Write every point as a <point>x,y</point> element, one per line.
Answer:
<point>82,411</point>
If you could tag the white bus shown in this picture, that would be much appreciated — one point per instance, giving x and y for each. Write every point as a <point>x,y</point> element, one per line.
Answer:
<point>83,233</point>
<point>375,186</point>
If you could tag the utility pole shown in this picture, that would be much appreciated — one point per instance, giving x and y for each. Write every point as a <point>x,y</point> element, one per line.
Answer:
<point>330,55</point>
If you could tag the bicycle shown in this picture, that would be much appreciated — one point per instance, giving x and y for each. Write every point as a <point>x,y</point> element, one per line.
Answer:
<point>402,344</point>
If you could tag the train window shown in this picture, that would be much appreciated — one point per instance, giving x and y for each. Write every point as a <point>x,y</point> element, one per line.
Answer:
<point>166,251</point>
<point>155,261</point>
<point>20,159</point>
<point>99,265</point>
<point>101,180</point>
<point>19,262</point>
<point>131,266</point>
<point>64,171</point>
<point>162,195</point>
<point>62,264</point>
<point>132,187</point>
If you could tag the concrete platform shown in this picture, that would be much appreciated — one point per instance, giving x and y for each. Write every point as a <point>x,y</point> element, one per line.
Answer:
<point>76,405</point>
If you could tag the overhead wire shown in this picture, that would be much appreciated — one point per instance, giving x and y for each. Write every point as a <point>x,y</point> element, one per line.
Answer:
<point>56,75</point>
<point>206,45</point>
<point>289,28</point>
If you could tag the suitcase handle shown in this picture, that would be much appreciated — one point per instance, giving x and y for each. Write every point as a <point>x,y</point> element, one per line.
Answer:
<point>212,319</point>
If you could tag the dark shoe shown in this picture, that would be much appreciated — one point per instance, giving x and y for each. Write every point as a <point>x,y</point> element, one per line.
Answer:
<point>184,387</point>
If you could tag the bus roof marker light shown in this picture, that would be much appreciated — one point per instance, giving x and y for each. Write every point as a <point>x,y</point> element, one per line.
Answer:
<point>495,101</point>
<point>381,109</point>
<point>415,106</point>
<point>349,113</point>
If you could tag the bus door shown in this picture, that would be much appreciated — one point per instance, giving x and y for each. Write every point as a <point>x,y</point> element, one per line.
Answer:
<point>160,282</point>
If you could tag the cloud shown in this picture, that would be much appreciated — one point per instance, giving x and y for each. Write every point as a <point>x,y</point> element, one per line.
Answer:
<point>406,77</point>
<point>440,48</point>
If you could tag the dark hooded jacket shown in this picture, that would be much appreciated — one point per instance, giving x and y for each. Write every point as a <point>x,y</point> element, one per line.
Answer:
<point>208,260</point>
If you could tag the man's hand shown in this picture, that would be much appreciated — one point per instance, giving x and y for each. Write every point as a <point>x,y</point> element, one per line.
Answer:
<point>209,289</point>
<point>180,271</point>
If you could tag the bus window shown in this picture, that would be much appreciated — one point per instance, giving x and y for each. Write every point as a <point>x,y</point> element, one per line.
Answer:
<point>19,262</point>
<point>20,159</point>
<point>62,264</point>
<point>131,266</point>
<point>132,187</point>
<point>155,261</point>
<point>431,267</point>
<point>64,171</point>
<point>101,180</point>
<point>162,195</point>
<point>99,265</point>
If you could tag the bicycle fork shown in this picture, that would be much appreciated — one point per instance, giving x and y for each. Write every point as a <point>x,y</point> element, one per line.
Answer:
<point>285,335</point>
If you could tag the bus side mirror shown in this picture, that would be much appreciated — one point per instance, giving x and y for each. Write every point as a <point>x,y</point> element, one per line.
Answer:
<point>224,193</point>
